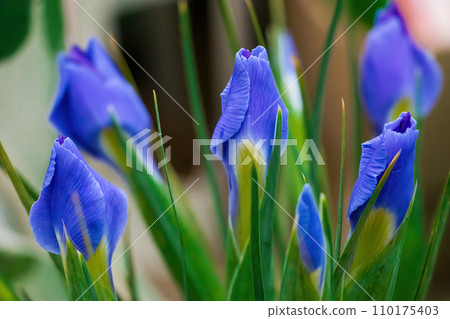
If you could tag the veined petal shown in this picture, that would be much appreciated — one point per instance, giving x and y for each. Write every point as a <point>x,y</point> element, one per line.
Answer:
<point>309,231</point>
<point>235,100</point>
<point>77,201</point>
<point>396,194</point>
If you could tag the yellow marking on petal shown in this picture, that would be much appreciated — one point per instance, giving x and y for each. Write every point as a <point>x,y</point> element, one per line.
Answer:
<point>404,105</point>
<point>315,277</point>
<point>376,234</point>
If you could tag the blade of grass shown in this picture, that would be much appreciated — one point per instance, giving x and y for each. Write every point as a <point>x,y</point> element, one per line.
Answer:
<point>131,275</point>
<point>318,101</point>
<point>198,109</point>
<point>183,254</point>
<point>230,28</point>
<point>328,289</point>
<point>24,196</point>
<point>255,23</point>
<point>255,241</point>
<point>337,243</point>
<point>435,242</point>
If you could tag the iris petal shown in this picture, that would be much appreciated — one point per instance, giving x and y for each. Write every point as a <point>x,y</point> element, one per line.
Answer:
<point>309,231</point>
<point>394,68</point>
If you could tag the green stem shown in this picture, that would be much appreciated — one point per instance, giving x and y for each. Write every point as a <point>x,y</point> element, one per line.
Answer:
<point>183,254</point>
<point>337,243</point>
<point>318,102</point>
<point>255,23</point>
<point>230,29</point>
<point>198,109</point>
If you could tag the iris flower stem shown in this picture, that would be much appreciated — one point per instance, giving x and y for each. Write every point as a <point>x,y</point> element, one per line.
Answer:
<point>318,102</point>
<point>183,254</point>
<point>337,243</point>
<point>230,28</point>
<point>197,107</point>
<point>255,22</point>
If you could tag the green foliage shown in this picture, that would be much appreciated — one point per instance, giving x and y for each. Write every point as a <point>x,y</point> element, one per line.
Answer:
<point>296,283</point>
<point>54,25</point>
<point>156,209</point>
<point>435,242</point>
<point>15,19</point>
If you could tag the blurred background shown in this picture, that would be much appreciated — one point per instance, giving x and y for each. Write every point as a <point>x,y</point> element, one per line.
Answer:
<point>149,32</point>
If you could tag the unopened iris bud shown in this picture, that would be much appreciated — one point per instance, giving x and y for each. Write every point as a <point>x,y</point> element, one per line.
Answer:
<point>90,88</point>
<point>250,105</point>
<point>79,205</point>
<point>395,196</point>
<point>310,236</point>
<point>395,71</point>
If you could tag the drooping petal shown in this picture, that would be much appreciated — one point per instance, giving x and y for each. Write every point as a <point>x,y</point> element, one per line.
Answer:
<point>396,194</point>
<point>395,68</point>
<point>309,231</point>
<point>430,81</point>
<point>90,88</point>
<point>387,71</point>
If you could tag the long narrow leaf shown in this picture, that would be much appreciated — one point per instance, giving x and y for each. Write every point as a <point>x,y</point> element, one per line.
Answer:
<point>180,235</point>
<point>230,26</point>
<point>197,107</point>
<point>435,241</point>
<point>255,23</point>
<point>337,243</point>
<point>328,285</point>
<point>255,240</point>
<point>267,211</point>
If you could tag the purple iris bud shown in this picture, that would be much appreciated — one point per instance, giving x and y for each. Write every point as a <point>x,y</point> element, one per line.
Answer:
<point>77,203</point>
<point>394,68</point>
<point>377,154</point>
<point>310,234</point>
<point>90,88</point>
<point>250,105</point>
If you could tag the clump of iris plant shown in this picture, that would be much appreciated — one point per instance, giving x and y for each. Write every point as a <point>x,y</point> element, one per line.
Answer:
<point>78,208</point>
<point>396,73</point>
<point>243,134</point>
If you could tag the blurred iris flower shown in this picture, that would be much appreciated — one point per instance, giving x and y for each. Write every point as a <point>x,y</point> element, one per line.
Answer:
<point>395,197</point>
<point>90,88</point>
<point>395,71</point>
<point>244,132</point>
<point>77,204</point>
<point>310,236</point>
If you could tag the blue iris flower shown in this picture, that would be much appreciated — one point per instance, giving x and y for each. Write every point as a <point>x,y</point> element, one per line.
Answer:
<point>90,88</point>
<point>395,69</point>
<point>310,235</point>
<point>250,104</point>
<point>77,203</point>
<point>377,154</point>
